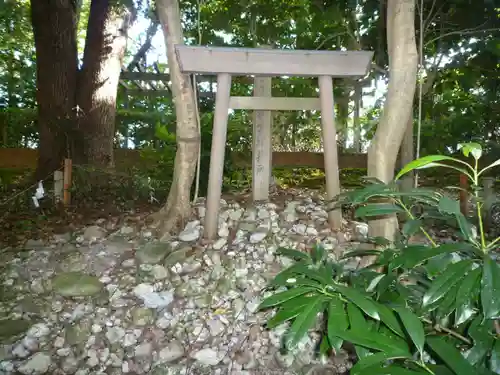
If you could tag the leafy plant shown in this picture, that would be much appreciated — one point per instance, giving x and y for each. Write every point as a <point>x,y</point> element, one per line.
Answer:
<point>425,308</point>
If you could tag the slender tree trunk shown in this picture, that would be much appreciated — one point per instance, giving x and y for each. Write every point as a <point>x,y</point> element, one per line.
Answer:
<point>178,207</point>
<point>98,80</point>
<point>358,93</point>
<point>53,24</point>
<point>403,57</point>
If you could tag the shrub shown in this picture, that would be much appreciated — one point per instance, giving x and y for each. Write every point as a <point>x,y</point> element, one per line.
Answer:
<point>419,308</point>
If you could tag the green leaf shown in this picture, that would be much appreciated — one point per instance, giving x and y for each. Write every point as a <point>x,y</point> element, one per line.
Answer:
<point>448,205</point>
<point>483,341</point>
<point>422,162</point>
<point>390,370</point>
<point>378,209</point>
<point>440,370</point>
<point>465,227</point>
<point>450,356</point>
<point>490,289</point>
<point>365,363</point>
<point>413,326</point>
<point>417,254</point>
<point>363,302</point>
<point>471,148</point>
<point>465,296</point>
<point>494,164</point>
<point>374,282</point>
<point>303,322</point>
<point>279,298</point>
<point>281,278</point>
<point>361,253</point>
<point>290,309</point>
<point>337,321</point>
<point>443,283</point>
<point>375,341</point>
<point>411,227</point>
<point>495,357</point>
<point>293,254</point>
<point>388,317</point>
<point>358,324</point>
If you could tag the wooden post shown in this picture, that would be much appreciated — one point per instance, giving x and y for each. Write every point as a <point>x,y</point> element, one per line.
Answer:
<point>67,182</point>
<point>261,148</point>
<point>464,195</point>
<point>330,147</point>
<point>58,187</point>
<point>217,155</point>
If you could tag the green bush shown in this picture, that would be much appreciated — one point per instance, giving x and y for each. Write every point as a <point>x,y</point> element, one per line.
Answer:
<point>418,309</point>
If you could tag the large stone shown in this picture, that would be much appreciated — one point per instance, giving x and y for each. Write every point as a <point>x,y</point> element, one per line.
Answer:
<point>153,252</point>
<point>38,364</point>
<point>172,352</point>
<point>207,356</point>
<point>76,284</point>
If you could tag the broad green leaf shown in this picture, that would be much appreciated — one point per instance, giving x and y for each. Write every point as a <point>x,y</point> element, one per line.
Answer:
<point>369,361</point>
<point>394,369</point>
<point>411,227</point>
<point>388,317</point>
<point>465,227</point>
<point>446,306</point>
<point>417,254</point>
<point>374,282</point>
<point>358,323</point>
<point>378,209</point>
<point>360,253</point>
<point>492,165</point>
<point>437,264</point>
<point>279,298</point>
<point>464,302</point>
<point>303,322</point>
<point>360,300</point>
<point>422,162</point>
<point>281,278</point>
<point>450,356</point>
<point>471,148</point>
<point>490,289</point>
<point>483,341</point>
<point>337,321</point>
<point>440,370</point>
<point>448,205</point>
<point>495,357</point>
<point>413,326</point>
<point>290,309</point>
<point>293,254</point>
<point>375,341</point>
<point>444,282</point>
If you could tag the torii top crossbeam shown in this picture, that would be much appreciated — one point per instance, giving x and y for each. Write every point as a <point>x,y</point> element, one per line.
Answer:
<point>271,62</point>
<point>226,62</point>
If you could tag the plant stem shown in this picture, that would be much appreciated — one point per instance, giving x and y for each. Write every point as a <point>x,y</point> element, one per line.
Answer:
<point>478,207</point>
<point>408,212</point>
<point>448,331</point>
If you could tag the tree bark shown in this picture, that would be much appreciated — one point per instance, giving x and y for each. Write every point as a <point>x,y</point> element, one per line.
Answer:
<point>54,32</point>
<point>358,94</point>
<point>403,57</point>
<point>407,154</point>
<point>178,206</point>
<point>105,47</point>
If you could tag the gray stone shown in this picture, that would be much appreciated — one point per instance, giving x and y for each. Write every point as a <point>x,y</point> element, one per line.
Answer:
<point>76,284</point>
<point>153,252</point>
<point>39,363</point>
<point>172,352</point>
<point>207,356</point>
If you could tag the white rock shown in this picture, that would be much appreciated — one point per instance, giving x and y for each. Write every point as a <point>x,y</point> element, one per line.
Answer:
<point>129,340</point>
<point>257,237</point>
<point>159,272</point>
<point>153,299</point>
<point>207,356</point>
<point>171,352</point>
<point>143,350</point>
<point>115,334</point>
<point>37,364</point>
<point>38,330</point>
<point>223,230</point>
<point>191,232</point>
<point>59,342</point>
<point>20,351</point>
<point>216,327</point>
<point>93,233</point>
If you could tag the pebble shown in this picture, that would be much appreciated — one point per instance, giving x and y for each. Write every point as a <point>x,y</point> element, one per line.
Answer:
<point>206,300</point>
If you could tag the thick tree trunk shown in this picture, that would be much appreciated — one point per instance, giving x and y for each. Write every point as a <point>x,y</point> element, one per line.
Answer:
<point>56,53</point>
<point>403,57</point>
<point>98,80</point>
<point>178,207</point>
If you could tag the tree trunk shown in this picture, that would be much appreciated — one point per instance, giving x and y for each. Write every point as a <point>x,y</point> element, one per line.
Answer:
<point>403,57</point>
<point>98,80</point>
<point>358,93</point>
<point>408,154</point>
<point>54,32</point>
<point>178,207</point>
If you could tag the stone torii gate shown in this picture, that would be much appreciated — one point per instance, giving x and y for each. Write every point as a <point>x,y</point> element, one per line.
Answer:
<point>225,62</point>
